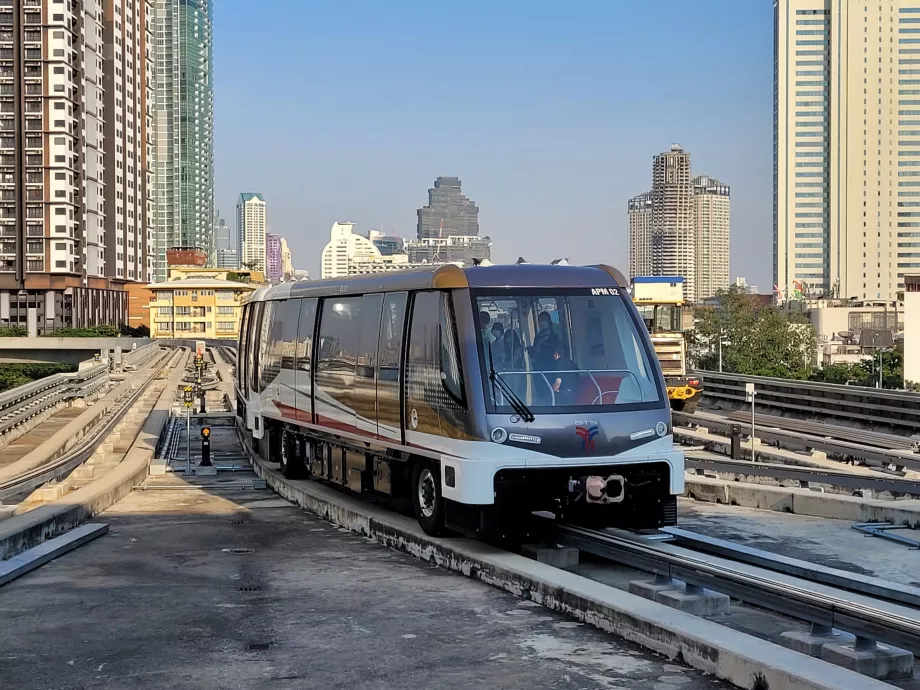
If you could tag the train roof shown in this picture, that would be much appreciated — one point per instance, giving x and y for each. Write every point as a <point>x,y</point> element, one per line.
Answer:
<point>449,276</point>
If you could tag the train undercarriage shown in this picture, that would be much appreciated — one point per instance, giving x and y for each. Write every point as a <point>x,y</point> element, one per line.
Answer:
<point>625,496</point>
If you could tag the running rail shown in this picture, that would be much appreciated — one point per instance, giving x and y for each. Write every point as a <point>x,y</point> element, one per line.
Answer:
<point>815,603</point>
<point>804,475</point>
<point>802,440</point>
<point>897,410</point>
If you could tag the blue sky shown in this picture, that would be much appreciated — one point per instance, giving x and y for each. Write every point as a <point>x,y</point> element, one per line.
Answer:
<point>548,112</point>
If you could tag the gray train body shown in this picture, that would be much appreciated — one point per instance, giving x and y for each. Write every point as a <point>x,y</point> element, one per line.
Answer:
<point>481,394</point>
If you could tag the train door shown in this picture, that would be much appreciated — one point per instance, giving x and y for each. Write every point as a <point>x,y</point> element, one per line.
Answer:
<point>389,360</point>
<point>241,351</point>
<point>259,370</point>
<point>279,365</point>
<point>365,391</point>
<point>423,375</point>
<point>302,383</point>
<point>333,395</point>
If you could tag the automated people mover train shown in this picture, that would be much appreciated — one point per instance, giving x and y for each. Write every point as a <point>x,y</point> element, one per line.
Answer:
<point>481,394</point>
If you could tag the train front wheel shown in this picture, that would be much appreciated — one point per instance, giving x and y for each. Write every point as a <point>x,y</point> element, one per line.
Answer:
<point>427,499</point>
<point>291,457</point>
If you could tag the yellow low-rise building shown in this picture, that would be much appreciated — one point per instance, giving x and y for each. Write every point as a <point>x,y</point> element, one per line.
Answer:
<point>243,275</point>
<point>199,307</point>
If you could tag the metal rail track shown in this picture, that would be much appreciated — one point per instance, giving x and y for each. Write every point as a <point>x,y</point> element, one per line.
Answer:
<point>61,466</point>
<point>799,440</point>
<point>898,411</point>
<point>872,586</point>
<point>860,615</point>
<point>805,476</point>
<point>229,354</point>
<point>841,433</point>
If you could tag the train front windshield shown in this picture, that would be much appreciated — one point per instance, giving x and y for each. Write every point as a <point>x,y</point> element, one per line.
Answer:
<point>562,351</point>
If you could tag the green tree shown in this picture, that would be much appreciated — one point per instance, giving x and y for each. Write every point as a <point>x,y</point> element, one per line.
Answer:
<point>103,331</point>
<point>756,339</point>
<point>237,278</point>
<point>13,375</point>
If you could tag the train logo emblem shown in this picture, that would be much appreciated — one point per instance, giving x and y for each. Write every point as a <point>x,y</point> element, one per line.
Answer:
<point>586,431</point>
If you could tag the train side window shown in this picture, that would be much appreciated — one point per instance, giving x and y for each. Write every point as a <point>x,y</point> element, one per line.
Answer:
<point>289,315</point>
<point>392,322</point>
<point>305,334</point>
<point>451,373</point>
<point>266,368</point>
<point>368,328</point>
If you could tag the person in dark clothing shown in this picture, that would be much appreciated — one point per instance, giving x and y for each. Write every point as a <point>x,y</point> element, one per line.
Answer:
<point>545,342</point>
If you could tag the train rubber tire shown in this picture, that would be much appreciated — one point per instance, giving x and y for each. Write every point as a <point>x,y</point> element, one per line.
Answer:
<point>427,501</point>
<point>290,460</point>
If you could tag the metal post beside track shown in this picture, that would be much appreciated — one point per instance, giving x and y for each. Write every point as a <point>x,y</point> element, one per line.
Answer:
<point>749,393</point>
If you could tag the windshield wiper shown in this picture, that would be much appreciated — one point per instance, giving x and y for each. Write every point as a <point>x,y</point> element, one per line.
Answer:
<point>516,403</point>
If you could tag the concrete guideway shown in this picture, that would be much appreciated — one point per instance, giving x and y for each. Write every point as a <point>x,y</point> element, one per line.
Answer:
<point>741,659</point>
<point>29,529</point>
<point>67,437</point>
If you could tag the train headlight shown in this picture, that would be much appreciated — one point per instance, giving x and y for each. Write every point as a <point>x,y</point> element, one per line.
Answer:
<point>499,435</point>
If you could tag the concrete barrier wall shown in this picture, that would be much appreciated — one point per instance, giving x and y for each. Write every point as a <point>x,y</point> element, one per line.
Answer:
<point>63,350</point>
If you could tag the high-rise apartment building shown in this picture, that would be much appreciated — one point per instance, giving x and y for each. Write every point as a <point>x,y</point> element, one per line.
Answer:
<point>846,147</point>
<point>672,218</point>
<point>448,214</point>
<point>272,257</point>
<point>681,227</point>
<point>640,235</point>
<point>184,122</point>
<point>251,229</point>
<point>73,159</point>
<point>712,222</point>
<point>287,264</point>
<point>128,91</point>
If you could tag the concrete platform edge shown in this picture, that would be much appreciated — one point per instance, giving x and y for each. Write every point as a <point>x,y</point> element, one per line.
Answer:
<point>33,558</point>
<point>740,659</point>
<point>25,531</point>
<point>801,501</point>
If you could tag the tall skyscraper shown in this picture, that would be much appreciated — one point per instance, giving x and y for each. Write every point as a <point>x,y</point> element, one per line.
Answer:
<point>712,222</point>
<point>448,212</point>
<point>73,159</point>
<point>222,236</point>
<point>184,122</point>
<point>251,228</point>
<point>672,218</point>
<point>273,257</point>
<point>681,227</point>
<point>846,142</point>
<point>640,235</point>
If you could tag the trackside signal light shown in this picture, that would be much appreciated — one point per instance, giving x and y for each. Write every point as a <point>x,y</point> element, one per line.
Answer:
<point>205,432</point>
